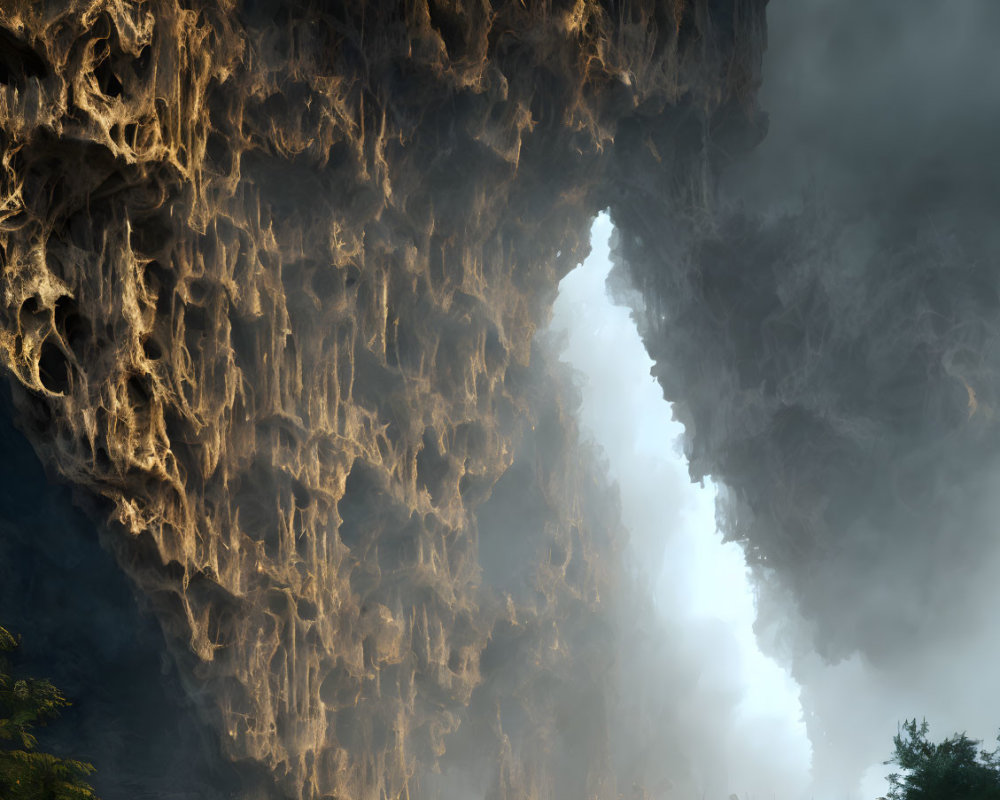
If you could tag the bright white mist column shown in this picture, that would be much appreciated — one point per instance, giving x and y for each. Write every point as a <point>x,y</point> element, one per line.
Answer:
<point>756,737</point>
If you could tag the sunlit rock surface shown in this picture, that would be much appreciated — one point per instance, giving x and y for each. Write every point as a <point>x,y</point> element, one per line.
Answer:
<point>271,278</point>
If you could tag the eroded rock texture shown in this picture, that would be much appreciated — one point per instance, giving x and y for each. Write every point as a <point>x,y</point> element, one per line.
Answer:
<point>82,629</point>
<point>271,277</point>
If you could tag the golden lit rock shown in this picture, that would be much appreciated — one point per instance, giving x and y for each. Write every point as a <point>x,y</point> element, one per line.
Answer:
<point>271,278</point>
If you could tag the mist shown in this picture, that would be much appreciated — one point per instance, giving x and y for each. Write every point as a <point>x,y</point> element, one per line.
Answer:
<point>706,688</point>
<point>828,332</point>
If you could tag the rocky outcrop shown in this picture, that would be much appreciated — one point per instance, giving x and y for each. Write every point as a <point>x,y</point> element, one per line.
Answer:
<point>271,278</point>
<point>836,370</point>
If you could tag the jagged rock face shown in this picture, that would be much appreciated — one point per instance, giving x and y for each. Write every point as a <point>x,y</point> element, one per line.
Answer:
<point>82,630</point>
<point>271,276</point>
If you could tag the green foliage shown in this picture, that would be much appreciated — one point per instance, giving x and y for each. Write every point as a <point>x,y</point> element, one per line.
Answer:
<point>955,769</point>
<point>27,703</point>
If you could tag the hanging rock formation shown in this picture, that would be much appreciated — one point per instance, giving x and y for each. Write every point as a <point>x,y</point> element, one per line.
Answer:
<point>271,277</point>
<point>829,333</point>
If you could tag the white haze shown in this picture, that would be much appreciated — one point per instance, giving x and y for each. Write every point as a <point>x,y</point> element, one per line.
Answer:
<point>748,730</point>
<point>857,108</point>
<point>750,738</point>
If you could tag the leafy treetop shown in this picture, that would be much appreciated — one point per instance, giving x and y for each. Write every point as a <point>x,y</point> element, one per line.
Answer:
<point>955,769</point>
<point>27,703</point>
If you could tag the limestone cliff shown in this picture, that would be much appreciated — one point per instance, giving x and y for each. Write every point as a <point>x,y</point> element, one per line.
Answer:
<point>271,277</point>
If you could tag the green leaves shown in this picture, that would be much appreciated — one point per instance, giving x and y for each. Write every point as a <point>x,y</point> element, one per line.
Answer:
<point>955,769</point>
<point>33,776</point>
<point>24,704</point>
<point>27,703</point>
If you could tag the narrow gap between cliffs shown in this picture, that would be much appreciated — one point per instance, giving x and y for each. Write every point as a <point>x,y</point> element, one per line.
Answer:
<point>746,729</point>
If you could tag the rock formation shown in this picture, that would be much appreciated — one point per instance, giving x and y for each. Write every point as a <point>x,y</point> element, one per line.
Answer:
<point>829,333</point>
<point>271,277</point>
